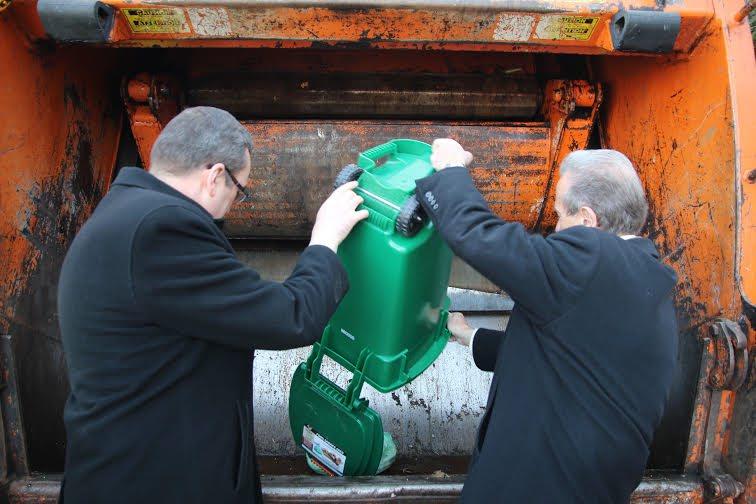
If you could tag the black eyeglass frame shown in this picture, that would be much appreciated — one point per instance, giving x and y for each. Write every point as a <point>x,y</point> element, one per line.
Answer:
<point>242,195</point>
<point>241,192</point>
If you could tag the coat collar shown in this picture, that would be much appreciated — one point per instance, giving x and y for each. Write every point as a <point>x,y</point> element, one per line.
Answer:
<point>129,176</point>
<point>645,245</point>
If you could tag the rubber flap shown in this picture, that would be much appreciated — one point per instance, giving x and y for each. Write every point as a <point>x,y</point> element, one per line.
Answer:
<point>645,31</point>
<point>76,20</point>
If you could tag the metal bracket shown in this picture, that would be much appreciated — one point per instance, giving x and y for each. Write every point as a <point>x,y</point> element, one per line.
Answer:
<point>570,107</point>
<point>151,101</point>
<point>731,355</point>
<point>723,487</point>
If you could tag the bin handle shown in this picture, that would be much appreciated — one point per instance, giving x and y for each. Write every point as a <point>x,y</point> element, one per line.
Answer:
<point>349,397</point>
<point>377,152</point>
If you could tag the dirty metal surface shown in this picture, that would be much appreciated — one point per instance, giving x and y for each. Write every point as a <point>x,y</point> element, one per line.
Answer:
<point>57,148</point>
<point>16,462</point>
<point>561,26</point>
<point>742,73</point>
<point>402,466</point>
<point>200,64</point>
<point>375,95</point>
<point>679,133</point>
<point>529,5</point>
<point>151,101</point>
<point>740,459</point>
<point>431,488</point>
<point>294,164</point>
<point>700,416</point>
<point>731,350</point>
<point>35,489</point>
<point>571,108</point>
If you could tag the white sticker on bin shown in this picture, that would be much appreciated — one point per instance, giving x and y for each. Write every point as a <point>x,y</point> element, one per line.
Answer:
<point>324,451</point>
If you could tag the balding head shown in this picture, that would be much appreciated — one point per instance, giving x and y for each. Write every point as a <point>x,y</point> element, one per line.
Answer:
<point>602,183</point>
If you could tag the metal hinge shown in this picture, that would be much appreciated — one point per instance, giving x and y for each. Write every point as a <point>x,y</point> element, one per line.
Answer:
<point>731,361</point>
<point>723,488</point>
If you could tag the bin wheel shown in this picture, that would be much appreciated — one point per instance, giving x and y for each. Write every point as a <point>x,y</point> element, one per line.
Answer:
<point>347,174</point>
<point>411,217</point>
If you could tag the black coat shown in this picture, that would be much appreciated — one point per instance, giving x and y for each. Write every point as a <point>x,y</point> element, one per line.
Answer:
<point>582,373</point>
<point>159,321</point>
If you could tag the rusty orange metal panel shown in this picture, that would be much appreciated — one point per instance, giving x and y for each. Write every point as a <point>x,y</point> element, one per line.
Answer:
<point>741,67</point>
<point>319,21</point>
<point>58,144</point>
<point>200,63</point>
<point>678,129</point>
<point>295,162</point>
<point>536,26</point>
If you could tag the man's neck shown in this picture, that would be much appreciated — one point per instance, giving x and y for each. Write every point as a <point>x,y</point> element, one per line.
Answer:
<point>181,184</point>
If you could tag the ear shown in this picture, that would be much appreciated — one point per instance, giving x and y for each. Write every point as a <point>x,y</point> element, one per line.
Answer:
<point>588,217</point>
<point>215,177</point>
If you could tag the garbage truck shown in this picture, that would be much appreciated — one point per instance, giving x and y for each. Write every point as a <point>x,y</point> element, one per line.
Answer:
<point>87,86</point>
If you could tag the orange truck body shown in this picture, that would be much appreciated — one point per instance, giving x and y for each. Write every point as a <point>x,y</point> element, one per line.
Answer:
<point>81,99</point>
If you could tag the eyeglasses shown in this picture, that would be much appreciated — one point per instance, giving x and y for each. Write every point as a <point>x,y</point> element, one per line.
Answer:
<point>241,192</point>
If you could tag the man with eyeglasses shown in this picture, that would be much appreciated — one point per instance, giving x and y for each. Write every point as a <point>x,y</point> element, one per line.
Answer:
<point>159,320</point>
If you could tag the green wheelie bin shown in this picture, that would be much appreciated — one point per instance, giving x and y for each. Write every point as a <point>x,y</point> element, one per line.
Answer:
<point>389,327</point>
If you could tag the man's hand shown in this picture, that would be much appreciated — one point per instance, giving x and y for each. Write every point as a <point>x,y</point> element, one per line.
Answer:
<point>337,216</point>
<point>447,153</point>
<point>461,332</point>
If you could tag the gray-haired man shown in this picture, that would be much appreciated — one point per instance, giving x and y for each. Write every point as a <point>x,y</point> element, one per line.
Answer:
<point>159,320</point>
<point>582,373</point>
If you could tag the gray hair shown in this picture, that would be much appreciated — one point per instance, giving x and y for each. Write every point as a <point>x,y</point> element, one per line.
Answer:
<point>201,136</point>
<point>605,181</point>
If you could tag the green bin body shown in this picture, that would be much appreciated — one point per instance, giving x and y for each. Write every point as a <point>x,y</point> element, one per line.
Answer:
<point>390,326</point>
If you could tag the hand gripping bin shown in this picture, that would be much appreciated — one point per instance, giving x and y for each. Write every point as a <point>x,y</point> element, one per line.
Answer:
<point>390,326</point>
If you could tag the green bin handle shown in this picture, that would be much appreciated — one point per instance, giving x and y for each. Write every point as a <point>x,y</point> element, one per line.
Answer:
<point>377,152</point>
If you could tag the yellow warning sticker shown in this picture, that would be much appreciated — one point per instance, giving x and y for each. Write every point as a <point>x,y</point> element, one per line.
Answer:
<point>166,20</point>
<point>557,27</point>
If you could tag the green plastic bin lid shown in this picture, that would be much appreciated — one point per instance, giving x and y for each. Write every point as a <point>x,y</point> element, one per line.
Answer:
<point>344,439</point>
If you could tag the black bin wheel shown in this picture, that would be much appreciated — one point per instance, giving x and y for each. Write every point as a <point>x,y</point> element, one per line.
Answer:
<point>411,217</point>
<point>347,174</point>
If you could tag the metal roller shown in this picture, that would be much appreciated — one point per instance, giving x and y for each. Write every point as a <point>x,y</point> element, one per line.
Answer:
<point>342,95</point>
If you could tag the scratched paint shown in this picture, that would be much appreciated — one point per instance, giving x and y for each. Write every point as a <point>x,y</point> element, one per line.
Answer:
<point>662,118</point>
<point>57,150</point>
<point>511,168</point>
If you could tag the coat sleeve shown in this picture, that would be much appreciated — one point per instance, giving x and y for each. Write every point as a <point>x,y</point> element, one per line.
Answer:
<point>185,278</point>
<point>544,276</point>
<point>485,348</point>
